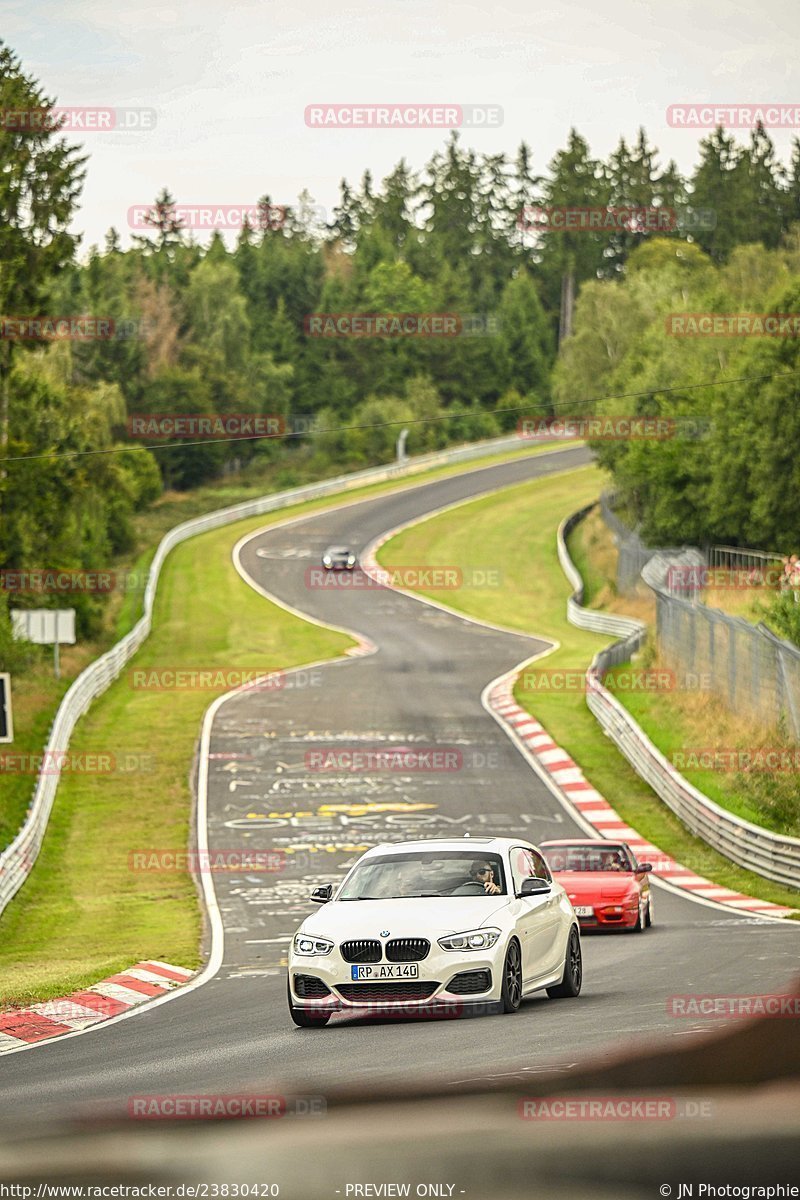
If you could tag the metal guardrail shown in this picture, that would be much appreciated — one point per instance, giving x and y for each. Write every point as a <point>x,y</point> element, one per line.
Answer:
<point>773,855</point>
<point>739,557</point>
<point>587,618</point>
<point>754,671</point>
<point>17,860</point>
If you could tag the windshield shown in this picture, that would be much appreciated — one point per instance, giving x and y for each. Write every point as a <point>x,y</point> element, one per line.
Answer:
<point>444,873</point>
<point>587,858</point>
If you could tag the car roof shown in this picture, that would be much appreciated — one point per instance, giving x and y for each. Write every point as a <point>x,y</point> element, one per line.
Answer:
<point>461,843</point>
<point>606,843</point>
<point>338,550</point>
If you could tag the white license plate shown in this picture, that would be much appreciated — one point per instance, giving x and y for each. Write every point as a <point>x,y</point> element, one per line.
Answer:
<point>384,971</point>
<point>583,910</point>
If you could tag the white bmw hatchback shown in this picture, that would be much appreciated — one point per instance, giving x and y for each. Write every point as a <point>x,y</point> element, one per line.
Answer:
<point>436,926</point>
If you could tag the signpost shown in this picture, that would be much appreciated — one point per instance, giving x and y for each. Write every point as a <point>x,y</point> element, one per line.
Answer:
<point>6,723</point>
<point>45,627</point>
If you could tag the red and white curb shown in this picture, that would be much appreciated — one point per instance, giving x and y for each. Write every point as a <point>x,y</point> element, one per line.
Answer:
<point>595,810</point>
<point>568,779</point>
<point>80,1010</point>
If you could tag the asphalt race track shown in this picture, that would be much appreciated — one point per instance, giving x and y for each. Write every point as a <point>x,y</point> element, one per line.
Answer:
<point>421,688</point>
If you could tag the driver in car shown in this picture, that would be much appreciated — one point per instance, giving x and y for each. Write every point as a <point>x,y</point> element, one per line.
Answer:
<point>481,874</point>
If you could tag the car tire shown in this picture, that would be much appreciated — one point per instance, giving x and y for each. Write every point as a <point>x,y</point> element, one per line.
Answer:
<point>572,978</point>
<point>640,921</point>
<point>511,993</point>
<point>306,1018</point>
<point>648,918</point>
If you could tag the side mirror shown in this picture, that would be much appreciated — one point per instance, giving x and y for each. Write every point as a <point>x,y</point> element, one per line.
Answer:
<point>643,867</point>
<point>535,887</point>
<point>321,895</point>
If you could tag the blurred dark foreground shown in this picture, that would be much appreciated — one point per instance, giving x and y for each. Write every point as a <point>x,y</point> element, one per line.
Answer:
<point>720,1116</point>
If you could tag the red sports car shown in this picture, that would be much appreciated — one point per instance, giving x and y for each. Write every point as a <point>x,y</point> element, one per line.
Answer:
<point>608,888</point>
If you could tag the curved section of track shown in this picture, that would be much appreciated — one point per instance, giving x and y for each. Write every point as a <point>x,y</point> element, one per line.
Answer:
<point>266,791</point>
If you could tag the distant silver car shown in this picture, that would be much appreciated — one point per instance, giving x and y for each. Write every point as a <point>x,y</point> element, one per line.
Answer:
<point>338,558</point>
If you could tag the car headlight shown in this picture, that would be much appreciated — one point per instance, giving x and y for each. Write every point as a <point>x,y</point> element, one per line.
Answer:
<point>326,560</point>
<point>351,558</point>
<point>473,939</point>
<point>304,943</point>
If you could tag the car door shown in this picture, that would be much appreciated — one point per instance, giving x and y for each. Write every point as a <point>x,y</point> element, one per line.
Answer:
<point>537,917</point>
<point>642,880</point>
<point>556,932</point>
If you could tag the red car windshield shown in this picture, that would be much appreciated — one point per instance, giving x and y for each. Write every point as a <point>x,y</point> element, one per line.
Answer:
<point>587,858</point>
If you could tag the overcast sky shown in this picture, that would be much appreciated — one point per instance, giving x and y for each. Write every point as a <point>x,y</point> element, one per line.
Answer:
<point>230,82</point>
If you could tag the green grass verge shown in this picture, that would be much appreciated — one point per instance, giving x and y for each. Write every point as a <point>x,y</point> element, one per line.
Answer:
<point>515,531</point>
<point>37,694</point>
<point>595,582</point>
<point>83,914</point>
<point>672,732</point>
<point>685,723</point>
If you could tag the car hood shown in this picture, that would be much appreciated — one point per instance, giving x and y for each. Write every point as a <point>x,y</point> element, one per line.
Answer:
<point>583,886</point>
<point>422,917</point>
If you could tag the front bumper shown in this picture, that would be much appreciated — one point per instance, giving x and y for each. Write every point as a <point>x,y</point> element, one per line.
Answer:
<point>619,916</point>
<point>431,991</point>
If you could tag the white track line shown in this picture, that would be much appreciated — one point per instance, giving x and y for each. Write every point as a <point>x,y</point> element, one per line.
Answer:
<point>212,914</point>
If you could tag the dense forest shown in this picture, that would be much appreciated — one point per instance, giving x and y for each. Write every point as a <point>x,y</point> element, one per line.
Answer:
<point>731,473</point>
<point>550,321</point>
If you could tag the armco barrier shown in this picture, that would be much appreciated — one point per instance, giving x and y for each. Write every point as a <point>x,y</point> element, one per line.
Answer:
<point>772,855</point>
<point>18,858</point>
<point>586,618</point>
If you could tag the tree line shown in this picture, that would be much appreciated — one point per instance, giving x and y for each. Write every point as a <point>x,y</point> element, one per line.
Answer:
<point>727,470</point>
<point>221,328</point>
